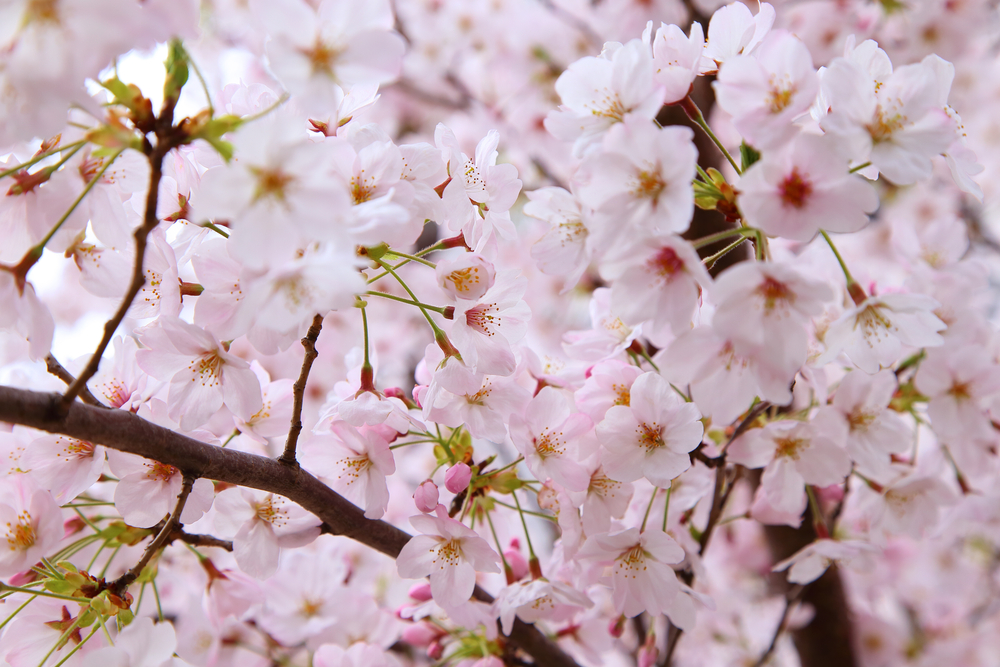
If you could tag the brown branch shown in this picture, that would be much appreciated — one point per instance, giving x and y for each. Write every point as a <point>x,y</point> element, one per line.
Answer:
<point>53,366</point>
<point>200,540</point>
<point>791,599</point>
<point>161,540</point>
<point>150,221</point>
<point>126,432</point>
<point>299,389</point>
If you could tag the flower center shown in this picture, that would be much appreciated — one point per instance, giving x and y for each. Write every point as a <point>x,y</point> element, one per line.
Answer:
<point>632,561</point>
<point>772,292</point>
<point>361,189</point>
<point>795,190</point>
<point>666,263</point>
<point>610,106</point>
<point>482,319</point>
<point>464,280</point>
<point>549,444</point>
<point>270,512</point>
<point>322,58</point>
<point>21,535</point>
<point>650,436</point>
<point>448,554</point>
<point>353,467</point>
<point>42,11</point>
<point>161,472</point>
<point>271,183</point>
<point>650,184</point>
<point>789,447</point>
<point>622,394</point>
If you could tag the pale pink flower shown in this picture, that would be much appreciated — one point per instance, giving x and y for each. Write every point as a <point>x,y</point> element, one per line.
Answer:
<point>796,454</point>
<point>597,93</point>
<point>32,523</point>
<point>275,414</point>
<point>608,383</point>
<point>910,506</point>
<point>894,119</point>
<point>203,375</point>
<point>763,309</point>
<point>65,466</point>
<point>733,30</point>
<point>140,644</point>
<point>261,524</point>
<point>306,598</point>
<point>120,382</point>
<point>874,431</point>
<point>450,553</point>
<point>317,47</point>
<point>804,187</point>
<point>147,491</point>
<point>641,576</point>
<point>484,329</point>
<point>959,381</point>
<point>480,192</point>
<point>608,337</point>
<point>873,333</point>
<point>355,462</point>
<point>484,406</point>
<point>468,276</point>
<point>358,654</point>
<point>642,177</point>
<point>606,498</point>
<point>549,436</point>
<point>662,282</point>
<point>563,250</point>
<point>808,563</point>
<point>538,600</point>
<point>651,437</point>
<point>766,92</point>
<point>676,58</point>
<point>25,314</point>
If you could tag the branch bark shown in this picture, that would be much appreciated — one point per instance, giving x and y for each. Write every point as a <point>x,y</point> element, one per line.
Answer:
<point>126,432</point>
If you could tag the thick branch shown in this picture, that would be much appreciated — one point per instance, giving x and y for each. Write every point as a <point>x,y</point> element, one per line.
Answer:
<point>126,432</point>
<point>299,390</point>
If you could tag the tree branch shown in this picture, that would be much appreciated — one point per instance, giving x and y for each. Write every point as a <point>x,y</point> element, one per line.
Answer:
<point>161,540</point>
<point>299,389</point>
<point>53,366</point>
<point>126,432</point>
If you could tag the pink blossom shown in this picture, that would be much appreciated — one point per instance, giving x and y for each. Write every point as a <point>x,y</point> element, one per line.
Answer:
<point>641,576</point>
<point>147,491</point>
<point>426,497</point>
<point>457,478</point>
<point>808,563</point>
<point>798,190</point>
<point>549,436</point>
<point>485,329</point>
<point>468,277</point>
<point>451,553</point>
<point>32,523</point>
<point>652,435</point>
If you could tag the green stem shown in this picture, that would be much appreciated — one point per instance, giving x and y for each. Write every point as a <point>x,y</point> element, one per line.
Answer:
<point>712,238</point>
<point>412,258</point>
<point>78,646</point>
<point>527,535</point>
<point>859,167</point>
<point>386,295</point>
<point>695,114</point>
<point>512,507</point>
<point>710,261</point>
<point>7,588</point>
<point>201,79</point>
<point>215,228</point>
<point>156,596</point>
<point>500,470</point>
<point>38,158</point>
<point>232,435</point>
<point>437,330</point>
<point>645,355</point>
<point>666,507</point>
<point>840,260</point>
<point>645,517</point>
<point>17,611</point>
<point>86,190</point>
<point>506,566</point>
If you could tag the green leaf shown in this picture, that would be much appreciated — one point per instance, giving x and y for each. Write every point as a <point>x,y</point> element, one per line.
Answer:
<point>748,155</point>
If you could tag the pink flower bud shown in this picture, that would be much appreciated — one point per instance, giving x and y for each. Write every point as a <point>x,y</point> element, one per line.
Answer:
<point>457,478</point>
<point>421,634</point>
<point>518,564</point>
<point>426,497</point>
<point>616,628</point>
<point>435,651</point>
<point>421,592</point>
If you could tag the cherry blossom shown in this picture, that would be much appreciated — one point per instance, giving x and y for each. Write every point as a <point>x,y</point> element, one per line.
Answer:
<point>356,462</point>
<point>550,437</point>
<point>450,553</point>
<point>32,523</point>
<point>652,435</point>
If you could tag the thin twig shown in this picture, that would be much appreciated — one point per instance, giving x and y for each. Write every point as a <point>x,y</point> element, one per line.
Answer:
<point>791,599</point>
<point>299,390</point>
<point>161,540</point>
<point>150,221</point>
<point>200,540</point>
<point>53,366</point>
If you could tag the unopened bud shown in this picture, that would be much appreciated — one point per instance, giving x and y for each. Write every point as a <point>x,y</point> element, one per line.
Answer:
<point>426,497</point>
<point>421,592</point>
<point>435,651</point>
<point>617,628</point>
<point>518,564</point>
<point>458,477</point>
